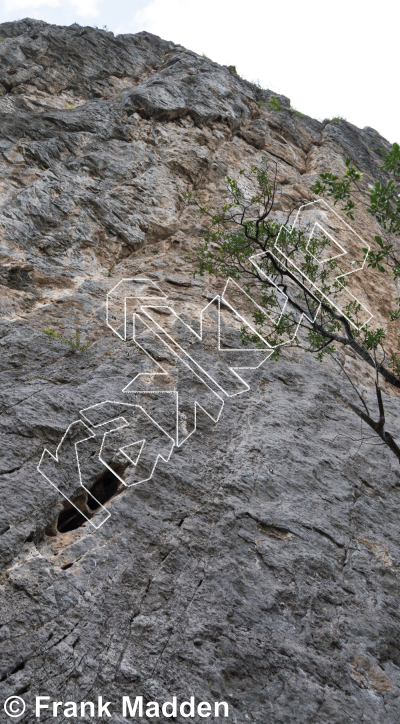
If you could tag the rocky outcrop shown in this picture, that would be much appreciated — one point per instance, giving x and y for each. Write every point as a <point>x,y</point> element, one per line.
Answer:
<point>260,565</point>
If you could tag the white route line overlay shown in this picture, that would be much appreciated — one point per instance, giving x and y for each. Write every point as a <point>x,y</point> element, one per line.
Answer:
<point>122,449</point>
<point>344,252</point>
<point>98,521</point>
<point>197,405</point>
<point>150,302</point>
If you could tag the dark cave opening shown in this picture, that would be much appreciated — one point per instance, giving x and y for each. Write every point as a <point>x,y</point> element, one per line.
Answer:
<point>70,519</point>
<point>101,491</point>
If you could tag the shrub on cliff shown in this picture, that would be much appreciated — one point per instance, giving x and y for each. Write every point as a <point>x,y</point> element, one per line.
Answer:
<point>310,317</point>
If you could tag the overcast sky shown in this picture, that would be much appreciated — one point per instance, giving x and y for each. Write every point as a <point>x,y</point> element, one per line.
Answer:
<point>330,59</point>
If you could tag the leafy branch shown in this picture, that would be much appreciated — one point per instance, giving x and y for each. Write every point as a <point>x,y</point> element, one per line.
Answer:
<point>298,296</point>
<point>74,342</point>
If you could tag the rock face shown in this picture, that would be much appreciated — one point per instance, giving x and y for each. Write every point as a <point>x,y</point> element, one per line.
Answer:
<point>260,565</point>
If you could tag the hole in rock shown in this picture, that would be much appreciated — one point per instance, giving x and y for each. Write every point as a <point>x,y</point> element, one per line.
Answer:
<point>70,519</point>
<point>101,491</point>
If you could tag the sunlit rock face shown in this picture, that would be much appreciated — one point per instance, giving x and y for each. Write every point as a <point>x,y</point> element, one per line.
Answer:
<point>259,565</point>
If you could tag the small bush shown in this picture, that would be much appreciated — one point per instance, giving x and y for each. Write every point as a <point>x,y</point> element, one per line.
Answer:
<point>336,119</point>
<point>274,104</point>
<point>74,343</point>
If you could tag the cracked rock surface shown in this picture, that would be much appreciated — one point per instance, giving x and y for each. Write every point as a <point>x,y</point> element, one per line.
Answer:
<point>260,565</point>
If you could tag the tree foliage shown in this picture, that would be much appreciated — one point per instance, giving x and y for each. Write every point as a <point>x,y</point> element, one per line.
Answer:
<point>301,300</point>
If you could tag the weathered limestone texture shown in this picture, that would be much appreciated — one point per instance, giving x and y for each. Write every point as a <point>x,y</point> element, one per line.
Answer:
<point>260,565</point>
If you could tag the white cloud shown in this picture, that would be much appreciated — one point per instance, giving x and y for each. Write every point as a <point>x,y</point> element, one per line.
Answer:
<point>83,8</point>
<point>86,8</point>
<point>10,5</point>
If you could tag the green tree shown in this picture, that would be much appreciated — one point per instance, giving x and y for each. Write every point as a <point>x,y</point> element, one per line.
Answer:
<point>312,318</point>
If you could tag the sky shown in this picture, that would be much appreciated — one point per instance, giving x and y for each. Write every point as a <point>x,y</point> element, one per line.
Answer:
<point>330,59</point>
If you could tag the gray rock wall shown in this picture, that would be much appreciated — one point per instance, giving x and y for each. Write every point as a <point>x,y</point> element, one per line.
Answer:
<point>259,566</point>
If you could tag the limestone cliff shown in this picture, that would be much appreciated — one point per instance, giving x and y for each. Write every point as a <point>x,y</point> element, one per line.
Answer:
<point>260,565</point>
